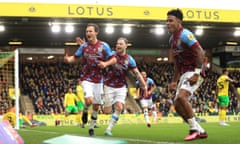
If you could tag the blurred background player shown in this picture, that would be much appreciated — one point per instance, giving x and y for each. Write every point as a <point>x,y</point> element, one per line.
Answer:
<point>70,100</point>
<point>10,116</point>
<point>223,96</point>
<point>91,52</point>
<point>146,102</point>
<point>80,102</point>
<point>115,85</point>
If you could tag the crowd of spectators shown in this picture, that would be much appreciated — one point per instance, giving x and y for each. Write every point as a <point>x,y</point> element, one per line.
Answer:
<point>46,84</point>
<point>5,100</point>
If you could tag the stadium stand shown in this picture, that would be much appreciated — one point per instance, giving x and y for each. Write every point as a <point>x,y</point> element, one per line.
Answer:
<point>45,84</point>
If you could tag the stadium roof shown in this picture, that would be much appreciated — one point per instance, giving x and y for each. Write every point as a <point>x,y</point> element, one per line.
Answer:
<point>36,32</point>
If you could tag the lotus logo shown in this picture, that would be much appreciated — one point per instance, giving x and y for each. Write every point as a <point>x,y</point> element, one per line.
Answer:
<point>146,12</point>
<point>32,9</point>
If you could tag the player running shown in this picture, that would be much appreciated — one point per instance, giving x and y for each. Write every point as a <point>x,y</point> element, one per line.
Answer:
<point>92,52</point>
<point>147,102</point>
<point>188,57</point>
<point>115,86</point>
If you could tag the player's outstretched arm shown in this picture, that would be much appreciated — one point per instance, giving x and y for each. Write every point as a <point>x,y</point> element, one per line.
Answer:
<point>111,61</point>
<point>80,41</point>
<point>142,82</point>
<point>69,59</point>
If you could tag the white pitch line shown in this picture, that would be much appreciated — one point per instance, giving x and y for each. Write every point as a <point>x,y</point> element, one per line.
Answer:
<point>39,131</point>
<point>149,141</point>
<point>127,139</point>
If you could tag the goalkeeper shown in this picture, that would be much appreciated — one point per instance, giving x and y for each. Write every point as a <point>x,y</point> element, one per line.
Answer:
<point>11,117</point>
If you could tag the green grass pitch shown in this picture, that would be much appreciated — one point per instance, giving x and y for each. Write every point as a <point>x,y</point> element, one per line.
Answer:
<point>139,133</point>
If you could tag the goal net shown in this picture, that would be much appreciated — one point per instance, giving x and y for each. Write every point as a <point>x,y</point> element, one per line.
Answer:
<point>9,84</point>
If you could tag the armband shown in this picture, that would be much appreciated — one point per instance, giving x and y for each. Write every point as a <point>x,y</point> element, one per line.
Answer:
<point>197,70</point>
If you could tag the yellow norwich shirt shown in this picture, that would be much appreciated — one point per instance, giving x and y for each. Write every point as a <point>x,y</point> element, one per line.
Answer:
<point>79,91</point>
<point>11,117</point>
<point>223,85</point>
<point>69,99</point>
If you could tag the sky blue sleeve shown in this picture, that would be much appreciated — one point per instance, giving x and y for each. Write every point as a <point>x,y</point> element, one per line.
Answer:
<point>132,62</point>
<point>108,50</point>
<point>78,53</point>
<point>188,38</point>
<point>151,82</point>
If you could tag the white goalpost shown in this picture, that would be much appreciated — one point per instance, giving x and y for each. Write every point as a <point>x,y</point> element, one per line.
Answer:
<point>16,86</point>
<point>9,83</point>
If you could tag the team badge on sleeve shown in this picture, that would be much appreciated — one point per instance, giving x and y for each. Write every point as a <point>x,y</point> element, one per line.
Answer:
<point>100,49</point>
<point>126,62</point>
<point>190,37</point>
<point>179,42</point>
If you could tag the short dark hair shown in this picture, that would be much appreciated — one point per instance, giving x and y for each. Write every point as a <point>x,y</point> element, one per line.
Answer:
<point>96,27</point>
<point>177,13</point>
<point>224,70</point>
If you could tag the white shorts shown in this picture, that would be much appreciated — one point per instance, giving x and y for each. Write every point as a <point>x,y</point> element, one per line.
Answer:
<point>184,83</point>
<point>113,95</point>
<point>146,103</point>
<point>94,90</point>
